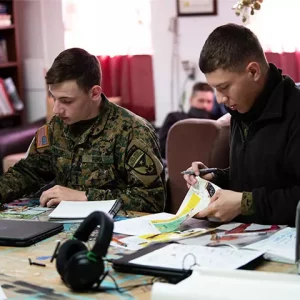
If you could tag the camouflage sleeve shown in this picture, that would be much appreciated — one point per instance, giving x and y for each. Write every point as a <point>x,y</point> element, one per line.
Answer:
<point>221,178</point>
<point>247,204</point>
<point>30,173</point>
<point>145,190</point>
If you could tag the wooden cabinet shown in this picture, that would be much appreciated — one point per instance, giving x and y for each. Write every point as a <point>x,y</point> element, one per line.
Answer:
<point>10,62</point>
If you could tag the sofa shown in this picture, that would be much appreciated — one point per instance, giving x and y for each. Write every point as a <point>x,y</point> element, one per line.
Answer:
<point>16,140</point>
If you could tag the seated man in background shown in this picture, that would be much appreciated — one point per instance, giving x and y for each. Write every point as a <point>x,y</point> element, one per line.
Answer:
<point>201,103</point>
<point>218,110</point>
<point>92,148</point>
<point>262,184</point>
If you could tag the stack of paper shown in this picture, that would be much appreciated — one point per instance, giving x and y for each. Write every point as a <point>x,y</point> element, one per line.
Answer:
<point>281,246</point>
<point>140,225</point>
<point>233,285</point>
<point>76,211</point>
<point>142,232</point>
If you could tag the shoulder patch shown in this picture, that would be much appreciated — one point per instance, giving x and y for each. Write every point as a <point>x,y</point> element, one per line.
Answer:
<point>143,164</point>
<point>42,137</point>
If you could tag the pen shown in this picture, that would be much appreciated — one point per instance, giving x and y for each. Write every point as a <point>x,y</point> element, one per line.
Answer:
<point>119,242</point>
<point>202,171</point>
<point>55,251</point>
<point>35,263</point>
<point>153,236</point>
<point>246,234</point>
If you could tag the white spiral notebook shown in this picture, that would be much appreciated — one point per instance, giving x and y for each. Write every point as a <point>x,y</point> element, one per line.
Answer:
<point>78,210</point>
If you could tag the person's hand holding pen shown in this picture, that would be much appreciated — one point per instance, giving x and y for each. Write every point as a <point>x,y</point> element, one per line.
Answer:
<point>224,205</point>
<point>195,170</point>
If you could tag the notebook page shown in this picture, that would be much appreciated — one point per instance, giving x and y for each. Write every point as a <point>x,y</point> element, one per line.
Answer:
<point>177,256</point>
<point>80,209</point>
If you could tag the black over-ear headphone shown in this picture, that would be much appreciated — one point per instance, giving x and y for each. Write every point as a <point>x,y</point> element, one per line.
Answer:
<point>79,268</point>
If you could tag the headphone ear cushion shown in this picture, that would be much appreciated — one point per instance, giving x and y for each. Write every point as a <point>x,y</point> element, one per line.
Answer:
<point>82,273</point>
<point>66,251</point>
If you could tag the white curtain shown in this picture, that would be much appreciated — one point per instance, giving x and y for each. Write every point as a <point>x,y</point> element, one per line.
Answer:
<point>108,27</point>
<point>277,25</point>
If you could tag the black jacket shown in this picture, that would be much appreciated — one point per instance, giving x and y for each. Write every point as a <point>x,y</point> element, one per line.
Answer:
<point>267,162</point>
<point>174,117</point>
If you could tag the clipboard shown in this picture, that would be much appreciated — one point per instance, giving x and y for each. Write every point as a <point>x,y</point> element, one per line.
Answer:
<point>172,275</point>
<point>124,265</point>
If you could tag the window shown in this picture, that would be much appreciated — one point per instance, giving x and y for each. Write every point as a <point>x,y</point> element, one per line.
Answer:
<point>108,27</point>
<point>277,24</point>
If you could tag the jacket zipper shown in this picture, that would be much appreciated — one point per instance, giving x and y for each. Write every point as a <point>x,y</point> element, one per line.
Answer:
<point>244,139</point>
<point>244,146</point>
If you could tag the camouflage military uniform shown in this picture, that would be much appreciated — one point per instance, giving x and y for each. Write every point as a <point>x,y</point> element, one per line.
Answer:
<point>117,157</point>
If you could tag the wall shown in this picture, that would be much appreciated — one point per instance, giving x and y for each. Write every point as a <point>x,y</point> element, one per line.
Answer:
<point>41,40</point>
<point>193,32</point>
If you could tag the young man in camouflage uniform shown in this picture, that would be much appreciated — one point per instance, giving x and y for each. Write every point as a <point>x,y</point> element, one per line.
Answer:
<point>93,149</point>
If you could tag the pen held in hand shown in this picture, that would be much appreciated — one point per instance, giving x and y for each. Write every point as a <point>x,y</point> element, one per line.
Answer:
<point>202,171</point>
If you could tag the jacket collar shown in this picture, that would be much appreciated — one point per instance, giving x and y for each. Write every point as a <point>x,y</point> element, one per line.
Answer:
<point>105,110</point>
<point>275,104</point>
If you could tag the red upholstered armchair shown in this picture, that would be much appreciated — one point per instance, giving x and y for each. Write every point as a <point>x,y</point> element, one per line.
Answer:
<point>194,140</point>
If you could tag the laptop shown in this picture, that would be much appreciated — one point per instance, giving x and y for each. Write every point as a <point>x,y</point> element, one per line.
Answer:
<point>20,233</point>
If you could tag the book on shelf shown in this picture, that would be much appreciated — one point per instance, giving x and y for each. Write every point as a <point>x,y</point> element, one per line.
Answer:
<point>10,101</point>
<point>5,17</point>
<point>3,8</point>
<point>3,51</point>
<point>6,107</point>
<point>11,89</point>
<point>5,20</point>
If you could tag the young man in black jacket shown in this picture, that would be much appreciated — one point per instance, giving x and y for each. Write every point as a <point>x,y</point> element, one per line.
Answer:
<point>262,184</point>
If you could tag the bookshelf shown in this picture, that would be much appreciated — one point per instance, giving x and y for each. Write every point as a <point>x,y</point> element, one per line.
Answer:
<point>10,64</point>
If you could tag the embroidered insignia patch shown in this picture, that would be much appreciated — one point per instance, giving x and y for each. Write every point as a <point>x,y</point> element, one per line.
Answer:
<point>142,163</point>
<point>42,137</point>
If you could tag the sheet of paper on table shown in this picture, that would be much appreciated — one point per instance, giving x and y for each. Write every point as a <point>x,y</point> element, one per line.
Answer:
<point>281,246</point>
<point>177,256</point>
<point>140,225</point>
<point>230,285</point>
<point>139,242</point>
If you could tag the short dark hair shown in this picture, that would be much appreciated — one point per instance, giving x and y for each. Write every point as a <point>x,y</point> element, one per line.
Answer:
<point>201,86</point>
<point>75,64</point>
<point>229,47</point>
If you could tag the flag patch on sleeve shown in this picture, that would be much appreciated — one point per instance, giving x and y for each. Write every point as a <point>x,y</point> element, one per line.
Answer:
<point>42,137</point>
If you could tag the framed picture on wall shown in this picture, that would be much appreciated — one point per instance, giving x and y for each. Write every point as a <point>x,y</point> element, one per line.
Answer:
<point>191,8</point>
